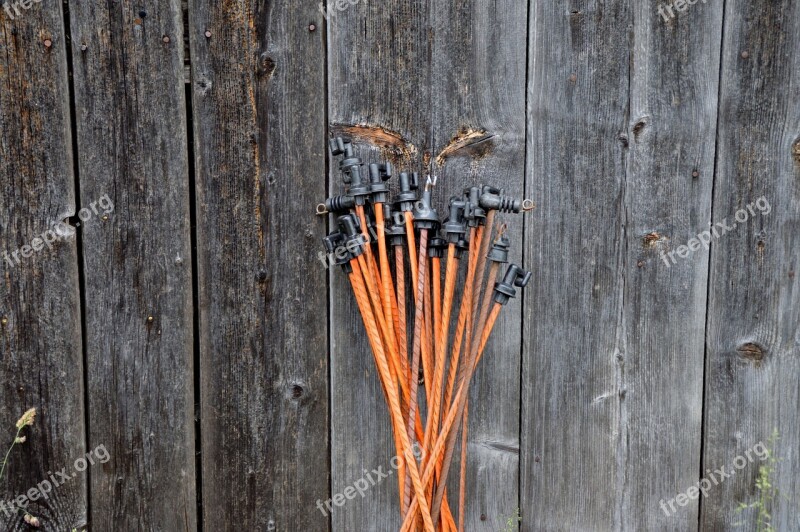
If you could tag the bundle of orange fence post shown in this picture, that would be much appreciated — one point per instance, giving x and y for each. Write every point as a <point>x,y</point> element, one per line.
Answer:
<point>428,333</point>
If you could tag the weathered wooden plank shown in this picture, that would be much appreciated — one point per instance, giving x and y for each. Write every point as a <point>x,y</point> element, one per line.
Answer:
<point>752,363</point>
<point>40,324</point>
<point>478,102</point>
<point>378,77</point>
<point>667,200</point>
<point>620,159</point>
<point>134,185</point>
<point>578,73</point>
<point>428,55</point>
<point>258,89</point>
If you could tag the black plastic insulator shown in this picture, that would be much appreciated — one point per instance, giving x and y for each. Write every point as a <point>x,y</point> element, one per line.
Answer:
<point>454,227</point>
<point>425,216</point>
<point>340,204</point>
<point>493,199</point>
<point>474,213</point>
<point>437,247</point>
<point>378,175</point>
<point>462,247</point>
<point>350,228</point>
<point>499,250</point>
<point>336,247</point>
<point>350,166</point>
<point>407,196</point>
<point>506,289</point>
<point>395,228</point>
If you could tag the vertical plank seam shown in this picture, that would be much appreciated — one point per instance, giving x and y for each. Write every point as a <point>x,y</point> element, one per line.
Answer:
<point>65,15</point>
<point>525,227</point>
<point>190,155</point>
<point>703,416</point>
<point>198,442</point>
<point>328,282</point>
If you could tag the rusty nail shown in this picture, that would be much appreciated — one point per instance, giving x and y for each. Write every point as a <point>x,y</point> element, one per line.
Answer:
<point>165,38</point>
<point>48,43</point>
<point>137,21</point>
<point>208,34</point>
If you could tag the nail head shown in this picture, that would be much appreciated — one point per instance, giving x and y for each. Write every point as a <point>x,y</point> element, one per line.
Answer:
<point>208,34</point>
<point>165,38</point>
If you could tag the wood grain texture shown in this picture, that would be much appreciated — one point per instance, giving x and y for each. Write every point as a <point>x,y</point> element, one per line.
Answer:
<point>667,202</point>
<point>258,90</point>
<point>617,381</point>
<point>40,335</point>
<point>574,428</point>
<point>478,107</point>
<point>378,77</point>
<point>614,334</point>
<point>132,150</point>
<point>752,363</point>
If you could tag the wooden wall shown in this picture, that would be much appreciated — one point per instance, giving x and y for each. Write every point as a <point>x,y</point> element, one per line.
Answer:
<point>180,318</point>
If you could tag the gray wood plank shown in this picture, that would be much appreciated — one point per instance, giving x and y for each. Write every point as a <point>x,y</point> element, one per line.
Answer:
<point>258,90</point>
<point>620,161</point>
<point>379,77</point>
<point>478,92</point>
<point>475,87</point>
<point>578,71</point>
<point>40,323</point>
<point>669,177</point>
<point>132,156</point>
<point>752,363</point>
